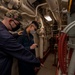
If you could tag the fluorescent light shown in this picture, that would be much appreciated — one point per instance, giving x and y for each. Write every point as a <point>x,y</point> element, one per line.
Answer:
<point>48,18</point>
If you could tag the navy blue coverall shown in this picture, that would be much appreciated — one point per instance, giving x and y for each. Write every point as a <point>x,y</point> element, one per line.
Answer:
<point>10,48</point>
<point>26,40</point>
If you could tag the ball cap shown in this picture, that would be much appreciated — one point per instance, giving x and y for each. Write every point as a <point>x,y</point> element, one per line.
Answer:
<point>14,14</point>
<point>35,23</point>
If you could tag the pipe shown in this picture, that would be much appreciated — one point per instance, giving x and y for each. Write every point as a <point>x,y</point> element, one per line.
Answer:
<point>2,8</point>
<point>39,6</point>
<point>41,21</point>
<point>6,1</point>
<point>26,9</point>
<point>69,27</point>
<point>41,47</point>
<point>69,6</point>
<point>35,12</point>
<point>41,39</point>
<point>13,3</point>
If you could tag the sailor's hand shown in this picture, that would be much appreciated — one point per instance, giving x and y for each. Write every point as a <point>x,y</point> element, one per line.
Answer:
<point>33,46</point>
<point>20,32</point>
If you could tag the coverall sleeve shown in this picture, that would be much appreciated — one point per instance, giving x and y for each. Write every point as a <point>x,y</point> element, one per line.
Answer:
<point>15,35</point>
<point>13,48</point>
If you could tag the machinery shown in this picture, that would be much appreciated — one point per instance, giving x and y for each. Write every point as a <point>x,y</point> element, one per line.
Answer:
<point>36,10</point>
<point>66,50</point>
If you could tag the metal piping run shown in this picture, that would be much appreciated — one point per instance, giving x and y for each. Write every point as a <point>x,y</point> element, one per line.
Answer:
<point>25,8</point>
<point>70,3</point>
<point>4,9</point>
<point>35,12</point>
<point>71,25</point>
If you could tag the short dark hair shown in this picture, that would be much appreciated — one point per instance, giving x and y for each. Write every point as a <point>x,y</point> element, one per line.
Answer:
<point>36,24</point>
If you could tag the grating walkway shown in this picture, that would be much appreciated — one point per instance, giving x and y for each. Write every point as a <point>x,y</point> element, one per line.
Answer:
<point>48,69</point>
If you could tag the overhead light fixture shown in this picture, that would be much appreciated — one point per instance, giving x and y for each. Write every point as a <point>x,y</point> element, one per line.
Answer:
<point>48,18</point>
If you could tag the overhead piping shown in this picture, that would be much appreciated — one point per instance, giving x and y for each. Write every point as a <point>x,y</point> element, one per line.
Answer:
<point>3,8</point>
<point>26,9</point>
<point>35,12</point>
<point>70,3</point>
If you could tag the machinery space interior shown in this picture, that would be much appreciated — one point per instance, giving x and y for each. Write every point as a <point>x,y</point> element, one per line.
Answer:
<point>55,36</point>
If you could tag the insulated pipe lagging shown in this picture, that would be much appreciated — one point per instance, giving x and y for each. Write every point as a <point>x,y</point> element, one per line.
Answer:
<point>35,15</point>
<point>67,28</point>
<point>26,9</point>
<point>2,8</point>
<point>71,68</point>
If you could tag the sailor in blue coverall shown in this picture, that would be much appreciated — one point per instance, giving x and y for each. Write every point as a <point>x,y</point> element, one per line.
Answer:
<point>9,47</point>
<point>26,39</point>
